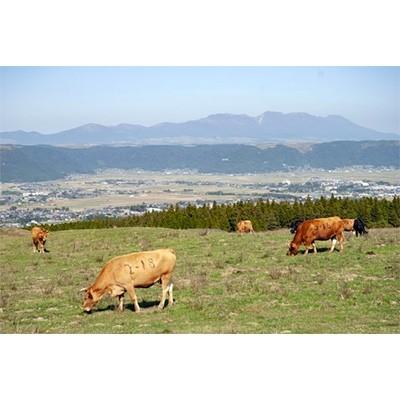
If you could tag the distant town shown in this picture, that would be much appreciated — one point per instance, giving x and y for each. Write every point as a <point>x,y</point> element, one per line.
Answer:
<point>121,193</point>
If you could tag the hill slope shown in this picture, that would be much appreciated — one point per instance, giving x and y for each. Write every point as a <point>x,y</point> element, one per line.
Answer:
<point>35,163</point>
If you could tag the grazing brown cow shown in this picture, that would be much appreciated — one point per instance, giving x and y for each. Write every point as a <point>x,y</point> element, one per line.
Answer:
<point>39,237</point>
<point>135,270</point>
<point>317,229</point>
<point>244,227</point>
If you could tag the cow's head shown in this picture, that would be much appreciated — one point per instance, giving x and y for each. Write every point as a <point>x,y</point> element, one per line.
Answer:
<point>293,249</point>
<point>92,297</point>
<point>43,236</point>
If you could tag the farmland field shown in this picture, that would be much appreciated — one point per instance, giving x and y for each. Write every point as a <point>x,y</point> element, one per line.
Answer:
<point>223,283</point>
<point>132,187</point>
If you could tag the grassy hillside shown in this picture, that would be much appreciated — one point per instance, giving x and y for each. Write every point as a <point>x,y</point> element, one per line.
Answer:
<point>224,283</point>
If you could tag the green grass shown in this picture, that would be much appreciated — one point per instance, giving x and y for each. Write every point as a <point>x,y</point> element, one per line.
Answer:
<point>223,283</point>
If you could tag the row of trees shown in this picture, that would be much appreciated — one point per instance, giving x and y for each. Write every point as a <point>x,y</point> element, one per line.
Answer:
<point>265,215</point>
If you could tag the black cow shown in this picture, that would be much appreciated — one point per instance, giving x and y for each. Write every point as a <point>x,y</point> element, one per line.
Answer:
<point>359,227</point>
<point>294,225</point>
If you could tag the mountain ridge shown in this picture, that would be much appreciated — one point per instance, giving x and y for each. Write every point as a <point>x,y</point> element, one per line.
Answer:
<point>270,126</point>
<point>43,162</point>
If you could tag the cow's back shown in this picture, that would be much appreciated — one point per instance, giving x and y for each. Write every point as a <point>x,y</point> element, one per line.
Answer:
<point>36,232</point>
<point>326,228</point>
<point>142,268</point>
<point>318,229</point>
<point>244,226</point>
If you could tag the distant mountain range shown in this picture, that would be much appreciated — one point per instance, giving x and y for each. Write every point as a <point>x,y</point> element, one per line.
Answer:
<point>39,163</point>
<point>217,128</point>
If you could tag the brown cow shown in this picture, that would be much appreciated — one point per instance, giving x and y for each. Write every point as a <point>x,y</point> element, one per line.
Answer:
<point>356,226</point>
<point>244,227</point>
<point>135,270</point>
<point>317,229</point>
<point>39,237</point>
<point>348,225</point>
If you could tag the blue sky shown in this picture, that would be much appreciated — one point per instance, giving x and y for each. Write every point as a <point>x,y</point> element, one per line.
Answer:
<point>50,99</point>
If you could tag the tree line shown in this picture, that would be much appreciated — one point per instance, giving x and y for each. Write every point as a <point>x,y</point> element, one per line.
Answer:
<point>265,215</point>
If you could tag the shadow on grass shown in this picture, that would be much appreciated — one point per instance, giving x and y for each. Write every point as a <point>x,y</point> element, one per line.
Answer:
<point>320,250</point>
<point>145,306</point>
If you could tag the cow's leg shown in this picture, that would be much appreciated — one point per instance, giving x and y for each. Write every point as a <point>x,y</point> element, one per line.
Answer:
<point>163,298</point>
<point>120,306</point>
<point>308,244</point>
<point>170,296</point>
<point>132,295</point>
<point>37,246</point>
<point>315,248</point>
<point>165,280</point>
<point>333,245</point>
<point>40,246</point>
<point>34,247</point>
<point>341,240</point>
